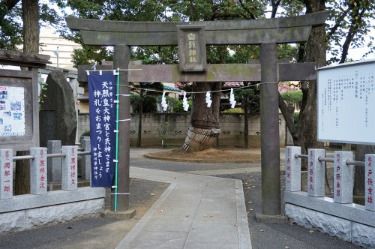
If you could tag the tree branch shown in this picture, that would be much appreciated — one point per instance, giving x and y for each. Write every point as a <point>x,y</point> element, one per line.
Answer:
<point>252,16</point>
<point>288,118</point>
<point>354,26</point>
<point>338,23</point>
<point>275,5</point>
<point>10,3</point>
<point>6,6</point>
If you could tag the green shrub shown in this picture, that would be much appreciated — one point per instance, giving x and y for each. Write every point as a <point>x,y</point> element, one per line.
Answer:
<point>234,110</point>
<point>294,97</point>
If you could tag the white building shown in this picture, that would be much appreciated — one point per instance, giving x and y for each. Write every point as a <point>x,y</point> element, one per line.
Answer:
<point>59,49</point>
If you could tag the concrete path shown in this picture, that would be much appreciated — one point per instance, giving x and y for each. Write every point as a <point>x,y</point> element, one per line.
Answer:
<point>195,212</point>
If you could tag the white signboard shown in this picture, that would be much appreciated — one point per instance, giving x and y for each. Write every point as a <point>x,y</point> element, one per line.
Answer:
<point>346,103</point>
<point>12,111</point>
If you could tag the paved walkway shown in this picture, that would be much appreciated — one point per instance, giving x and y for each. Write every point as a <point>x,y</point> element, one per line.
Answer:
<point>195,212</point>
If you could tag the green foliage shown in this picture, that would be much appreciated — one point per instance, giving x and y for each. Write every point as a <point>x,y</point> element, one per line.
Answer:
<point>151,10</point>
<point>10,27</point>
<point>43,91</point>
<point>175,105</point>
<point>294,97</point>
<point>89,55</point>
<point>350,25</point>
<point>287,51</point>
<point>234,110</point>
<point>149,103</point>
<point>11,20</point>
<point>253,98</point>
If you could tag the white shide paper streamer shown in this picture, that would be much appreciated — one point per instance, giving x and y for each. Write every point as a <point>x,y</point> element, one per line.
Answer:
<point>185,103</point>
<point>208,99</point>
<point>232,99</point>
<point>163,103</point>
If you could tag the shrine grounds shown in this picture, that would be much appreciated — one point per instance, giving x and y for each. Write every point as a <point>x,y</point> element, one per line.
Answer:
<point>106,232</point>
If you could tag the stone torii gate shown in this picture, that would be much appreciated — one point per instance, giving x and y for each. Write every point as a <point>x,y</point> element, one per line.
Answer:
<point>192,39</point>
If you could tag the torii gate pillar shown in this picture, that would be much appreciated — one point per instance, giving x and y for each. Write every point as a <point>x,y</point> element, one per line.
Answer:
<point>270,139</point>
<point>121,60</point>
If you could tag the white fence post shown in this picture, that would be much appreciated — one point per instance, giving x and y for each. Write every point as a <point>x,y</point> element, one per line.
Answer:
<point>38,172</point>
<point>69,168</point>
<point>369,182</point>
<point>316,173</point>
<point>6,174</point>
<point>343,177</point>
<point>292,169</point>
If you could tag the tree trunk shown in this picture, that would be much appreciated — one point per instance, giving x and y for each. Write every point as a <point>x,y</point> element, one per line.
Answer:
<point>315,50</point>
<point>289,119</point>
<point>30,16</point>
<point>204,127</point>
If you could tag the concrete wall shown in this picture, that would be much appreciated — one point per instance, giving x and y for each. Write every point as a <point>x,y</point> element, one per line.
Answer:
<point>172,128</point>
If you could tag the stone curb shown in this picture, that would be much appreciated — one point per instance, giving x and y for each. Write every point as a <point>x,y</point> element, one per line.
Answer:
<point>150,156</point>
<point>126,215</point>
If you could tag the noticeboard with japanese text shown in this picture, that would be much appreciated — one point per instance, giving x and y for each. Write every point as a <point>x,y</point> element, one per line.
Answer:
<point>12,111</point>
<point>19,116</point>
<point>346,103</point>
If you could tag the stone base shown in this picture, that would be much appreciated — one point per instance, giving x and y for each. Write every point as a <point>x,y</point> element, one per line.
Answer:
<point>274,219</point>
<point>356,233</point>
<point>27,219</point>
<point>125,215</point>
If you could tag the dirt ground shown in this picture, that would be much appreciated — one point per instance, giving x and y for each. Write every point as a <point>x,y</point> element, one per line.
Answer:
<point>209,155</point>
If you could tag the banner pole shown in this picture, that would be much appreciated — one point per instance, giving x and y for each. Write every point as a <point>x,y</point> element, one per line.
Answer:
<point>117,137</point>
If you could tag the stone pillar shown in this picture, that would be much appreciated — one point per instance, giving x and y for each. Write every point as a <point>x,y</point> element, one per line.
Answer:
<point>316,172</point>
<point>343,177</point>
<point>292,169</point>
<point>270,139</point>
<point>369,182</point>
<point>86,159</point>
<point>69,168</point>
<point>54,164</point>
<point>38,172</point>
<point>6,174</point>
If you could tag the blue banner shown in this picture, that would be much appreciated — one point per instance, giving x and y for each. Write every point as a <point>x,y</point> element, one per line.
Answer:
<point>102,96</point>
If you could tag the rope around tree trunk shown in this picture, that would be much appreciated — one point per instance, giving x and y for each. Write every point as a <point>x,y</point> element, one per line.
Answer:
<point>198,139</point>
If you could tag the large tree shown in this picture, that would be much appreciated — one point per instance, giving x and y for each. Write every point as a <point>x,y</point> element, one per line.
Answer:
<point>349,24</point>
<point>20,21</point>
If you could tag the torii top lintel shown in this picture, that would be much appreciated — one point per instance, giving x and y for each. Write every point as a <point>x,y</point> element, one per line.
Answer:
<point>278,30</point>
